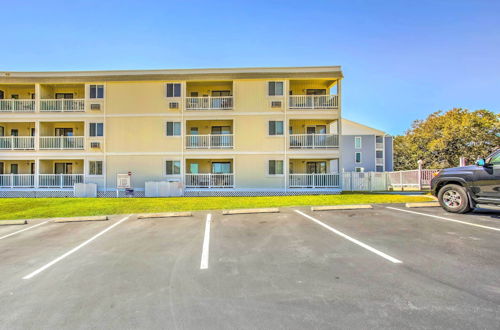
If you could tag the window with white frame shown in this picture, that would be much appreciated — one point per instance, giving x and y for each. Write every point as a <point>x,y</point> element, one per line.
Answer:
<point>275,88</point>
<point>174,90</point>
<point>357,142</point>
<point>275,167</point>
<point>173,128</point>
<point>95,167</point>
<point>275,127</point>
<point>357,157</point>
<point>173,167</point>
<point>96,91</point>
<point>96,129</point>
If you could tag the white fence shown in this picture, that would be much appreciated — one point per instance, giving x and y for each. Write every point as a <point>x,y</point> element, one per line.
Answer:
<point>380,181</point>
<point>62,105</point>
<point>17,142</point>
<point>209,180</point>
<point>313,141</point>
<point>312,180</point>
<point>209,103</point>
<point>210,141</point>
<point>62,142</point>
<point>17,180</point>
<point>313,102</point>
<point>15,105</point>
<point>59,180</point>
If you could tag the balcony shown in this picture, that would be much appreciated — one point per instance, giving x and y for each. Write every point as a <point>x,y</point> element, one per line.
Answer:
<point>15,105</point>
<point>209,141</point>
<point>313,141</point>
<point>17,143</point>
<point>209,95</point>
<point>210,180</point>
<point>314,180</point>
<point>17,180</point>
<point>62,142</point>
<point>313,102</point>
<point>59,180</point>
<point>209,103</point>
<point>62,105</point>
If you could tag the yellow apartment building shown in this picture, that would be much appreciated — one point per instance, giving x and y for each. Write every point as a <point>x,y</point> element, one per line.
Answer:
<point>236,131</point>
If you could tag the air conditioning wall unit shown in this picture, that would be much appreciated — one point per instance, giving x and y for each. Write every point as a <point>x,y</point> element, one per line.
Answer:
<point>95,106</point>
<point>276,104</point>
<point>95,145</point>
<point>173,105</point>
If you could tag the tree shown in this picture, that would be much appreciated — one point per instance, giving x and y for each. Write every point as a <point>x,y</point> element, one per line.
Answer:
<point>444,137</point>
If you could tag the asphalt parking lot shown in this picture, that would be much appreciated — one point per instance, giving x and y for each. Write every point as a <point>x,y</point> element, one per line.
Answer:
<point>386,267</point>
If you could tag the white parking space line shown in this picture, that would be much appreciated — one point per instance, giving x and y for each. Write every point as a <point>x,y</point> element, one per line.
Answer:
<point>20,231</point>
<point>206,243</point>
<point>443,218</point>
<point>39,270</point>
<point>353,240</point>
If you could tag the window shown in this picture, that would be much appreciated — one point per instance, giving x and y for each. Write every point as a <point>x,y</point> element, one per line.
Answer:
<point>357,142</point>
<point>174,90</point>
<point>221,168</point>
<point>14,96</point>
<point>173,167</point>
<point>275,167</point>
<point>358,157</point>
<point>173,128</point>
<point>379,139</point>
<point>359,169</point>
<point>275,127</point>
<point>380,154</point>
<point>379,168</point>
<point>275,88</point>
<point>95,167</point>
<point>96,91</point>
<point>495,159</point>
<point>96,129</point>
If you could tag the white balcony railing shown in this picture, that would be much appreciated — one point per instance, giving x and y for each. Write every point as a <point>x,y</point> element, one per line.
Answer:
<point>62,105</point>
<point>17,180</point>
<point>15,105</point>
<point>62,142</point>
<point>313,102</point>
<point>59,180</point>
<point>313,141</point>
<point>209,180</point>
<point>17,143</point>
<point>314,180</point>
<point>209,103</point>
<point>210,141</point>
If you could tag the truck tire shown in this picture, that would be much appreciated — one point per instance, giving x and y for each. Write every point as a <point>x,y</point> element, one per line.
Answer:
<point>453,198</point>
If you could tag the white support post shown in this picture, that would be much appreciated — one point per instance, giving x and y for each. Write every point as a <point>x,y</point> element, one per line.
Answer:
<point>37,173</point>
<point>419,174</point>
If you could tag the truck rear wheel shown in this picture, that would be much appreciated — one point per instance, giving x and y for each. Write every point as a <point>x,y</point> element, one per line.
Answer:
<point>453,198</point>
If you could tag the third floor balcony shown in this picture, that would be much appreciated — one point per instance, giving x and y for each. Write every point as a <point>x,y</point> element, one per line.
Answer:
<point>313,95</point>
<point>209,95</point>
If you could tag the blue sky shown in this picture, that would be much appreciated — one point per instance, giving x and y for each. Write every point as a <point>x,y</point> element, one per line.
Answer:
<point>402,60</point>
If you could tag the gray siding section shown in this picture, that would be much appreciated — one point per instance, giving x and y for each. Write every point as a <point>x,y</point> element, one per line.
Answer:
<point>349,153</point>
<point>389,154</point>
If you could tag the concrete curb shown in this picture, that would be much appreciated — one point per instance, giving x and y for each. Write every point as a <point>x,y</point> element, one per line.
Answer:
<point>13,222</point>
<point>82,219</point>
<point>164,215</point>
<point>423,204</point>
<point>341,207</point>
<point>251,211</point>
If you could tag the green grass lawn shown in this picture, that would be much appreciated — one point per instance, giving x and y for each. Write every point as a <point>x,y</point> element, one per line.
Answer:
<point>32,208</point>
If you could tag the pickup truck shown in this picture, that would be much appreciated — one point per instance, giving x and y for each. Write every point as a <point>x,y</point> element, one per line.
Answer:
<point>460,189</point>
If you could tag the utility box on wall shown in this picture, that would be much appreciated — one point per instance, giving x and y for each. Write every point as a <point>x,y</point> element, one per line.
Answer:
<point>85,190</point>
<point>163,189</point>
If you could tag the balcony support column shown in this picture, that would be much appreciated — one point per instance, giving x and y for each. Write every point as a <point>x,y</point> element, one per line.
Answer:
<point>37,173</point>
